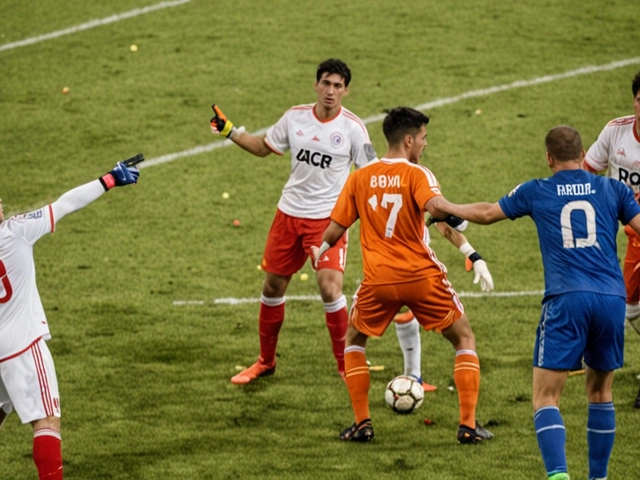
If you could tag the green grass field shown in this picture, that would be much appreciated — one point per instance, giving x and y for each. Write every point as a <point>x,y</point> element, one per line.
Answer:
<point>144,381</point>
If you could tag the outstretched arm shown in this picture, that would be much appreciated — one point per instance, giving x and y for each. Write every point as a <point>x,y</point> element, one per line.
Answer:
<point>224,127</point>
<point>81,196</point>
<point>483,213</point>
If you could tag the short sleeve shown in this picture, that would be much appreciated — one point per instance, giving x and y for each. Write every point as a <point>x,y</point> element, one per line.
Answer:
<point>34,225</point>
<point>598,154</point>
<point>516,203</point>
<point>278,135</point>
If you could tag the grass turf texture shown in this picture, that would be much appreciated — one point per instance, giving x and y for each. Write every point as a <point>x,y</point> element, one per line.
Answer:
<point>145,384</point>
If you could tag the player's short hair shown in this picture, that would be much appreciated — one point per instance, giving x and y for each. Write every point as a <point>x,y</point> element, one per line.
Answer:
<point>563,143</point>
<point>635,85</point>
<point>402,121</point>
<point>334,65</point>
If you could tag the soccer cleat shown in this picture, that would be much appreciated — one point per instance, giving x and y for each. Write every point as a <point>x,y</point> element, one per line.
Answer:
<point>559,476</point>
<point>256,370</point>
<point>428,388</point>
<point>362,432</point>
<point>471,435</point>
<point>637,403</point>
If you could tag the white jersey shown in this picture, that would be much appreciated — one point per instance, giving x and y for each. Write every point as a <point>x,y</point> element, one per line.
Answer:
<point>22,318</point>
<point>322,153</point>
<point>617,151</point>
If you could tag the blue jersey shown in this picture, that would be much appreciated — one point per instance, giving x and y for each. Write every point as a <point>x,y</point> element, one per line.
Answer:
<point>576,214</point>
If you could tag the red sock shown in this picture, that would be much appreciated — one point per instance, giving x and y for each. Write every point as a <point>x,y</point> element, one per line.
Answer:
<point>358,381</point>
<point>466,375</point>
<point>337,325</point>
<point>47,454</point>
<point>271,319</point>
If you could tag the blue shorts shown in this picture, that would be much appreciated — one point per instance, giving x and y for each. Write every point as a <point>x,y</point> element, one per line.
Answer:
<point>577,324</point>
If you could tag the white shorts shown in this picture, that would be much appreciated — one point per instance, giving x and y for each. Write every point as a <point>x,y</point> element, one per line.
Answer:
<point>28,383</point>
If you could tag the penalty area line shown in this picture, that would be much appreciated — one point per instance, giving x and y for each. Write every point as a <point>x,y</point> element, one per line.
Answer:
<point>92,24</point>
<point>316,298</point>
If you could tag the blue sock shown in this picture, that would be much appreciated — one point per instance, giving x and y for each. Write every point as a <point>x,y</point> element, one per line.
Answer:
<point>601,432</point>
<point>552,437</point>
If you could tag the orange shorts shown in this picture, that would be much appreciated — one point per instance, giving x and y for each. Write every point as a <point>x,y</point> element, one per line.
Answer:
<point>631,267</point>
<point>433,301</point>
<point>289,245</point>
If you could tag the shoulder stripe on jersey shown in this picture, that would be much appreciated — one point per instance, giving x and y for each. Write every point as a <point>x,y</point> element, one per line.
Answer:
<point>51,219</point>
<point>617,122</point>
<point>355,118</point>
<point>302,107</point>
<point>431,178</point>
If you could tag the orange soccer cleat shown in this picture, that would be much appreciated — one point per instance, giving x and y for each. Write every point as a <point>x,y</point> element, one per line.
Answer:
<point>256,370</point>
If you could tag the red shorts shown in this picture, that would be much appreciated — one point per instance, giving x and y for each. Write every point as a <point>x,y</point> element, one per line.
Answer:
<point>289,245</point>
<point>631,268</point>
<point>433,301</point>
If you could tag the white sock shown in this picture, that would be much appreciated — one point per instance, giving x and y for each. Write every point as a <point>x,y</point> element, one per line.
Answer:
<point>409,338</point>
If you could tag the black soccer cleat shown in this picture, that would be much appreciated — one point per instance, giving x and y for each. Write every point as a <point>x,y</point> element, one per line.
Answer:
<point>470,435</point>
<point>362,432</point>
<point>637,404</point>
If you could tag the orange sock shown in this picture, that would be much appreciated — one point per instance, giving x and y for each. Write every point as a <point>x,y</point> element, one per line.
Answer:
<point>358,380</point>
<point>466,375</point>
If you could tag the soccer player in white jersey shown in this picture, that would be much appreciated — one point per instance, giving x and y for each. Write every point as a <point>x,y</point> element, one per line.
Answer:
<point>28,381</point>
<point>325,140</point>
<point>617,153</point>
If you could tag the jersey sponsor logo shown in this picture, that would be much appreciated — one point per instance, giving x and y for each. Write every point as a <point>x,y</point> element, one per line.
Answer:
<point>630,178</point>
<point>317,159</point>
<point>384,181</point>
<point>336,139</point>
<point>575,189</point>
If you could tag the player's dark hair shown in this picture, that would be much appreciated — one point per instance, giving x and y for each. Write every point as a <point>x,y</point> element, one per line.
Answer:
<point>635,85</point>
<point>402,121</point>
<point>333,65</point>
<point>563,143</point>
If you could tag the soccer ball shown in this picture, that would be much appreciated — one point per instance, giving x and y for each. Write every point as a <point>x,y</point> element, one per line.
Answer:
<point>404,394</point>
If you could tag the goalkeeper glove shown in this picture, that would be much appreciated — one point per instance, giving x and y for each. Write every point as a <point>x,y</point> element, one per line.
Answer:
<point>119,176</point>
<point>219,123</point>
<point>479,267</point>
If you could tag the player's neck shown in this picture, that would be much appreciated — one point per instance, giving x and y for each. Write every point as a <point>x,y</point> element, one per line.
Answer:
<point>324,113</point>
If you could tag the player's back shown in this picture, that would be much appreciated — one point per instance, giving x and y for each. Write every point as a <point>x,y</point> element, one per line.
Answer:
<point>390,195</point>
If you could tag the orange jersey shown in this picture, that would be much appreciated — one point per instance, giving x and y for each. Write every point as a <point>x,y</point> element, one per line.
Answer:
<point>388,196</point>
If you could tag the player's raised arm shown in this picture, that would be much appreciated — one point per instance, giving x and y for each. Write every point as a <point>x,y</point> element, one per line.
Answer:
<point>221,125</point>
<point>124,173</point>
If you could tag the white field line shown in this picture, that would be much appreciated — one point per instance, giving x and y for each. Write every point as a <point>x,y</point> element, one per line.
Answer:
<point>92,24</point>
<point>483,92</point>
<point>316,298</point>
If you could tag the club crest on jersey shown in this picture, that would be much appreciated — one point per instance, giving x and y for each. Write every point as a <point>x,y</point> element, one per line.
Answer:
<point>336,139</point>
<point>317,159</point>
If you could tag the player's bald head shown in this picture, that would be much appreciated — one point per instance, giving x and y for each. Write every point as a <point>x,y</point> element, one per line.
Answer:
<point>564,143</point>
<point>402,121</point>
